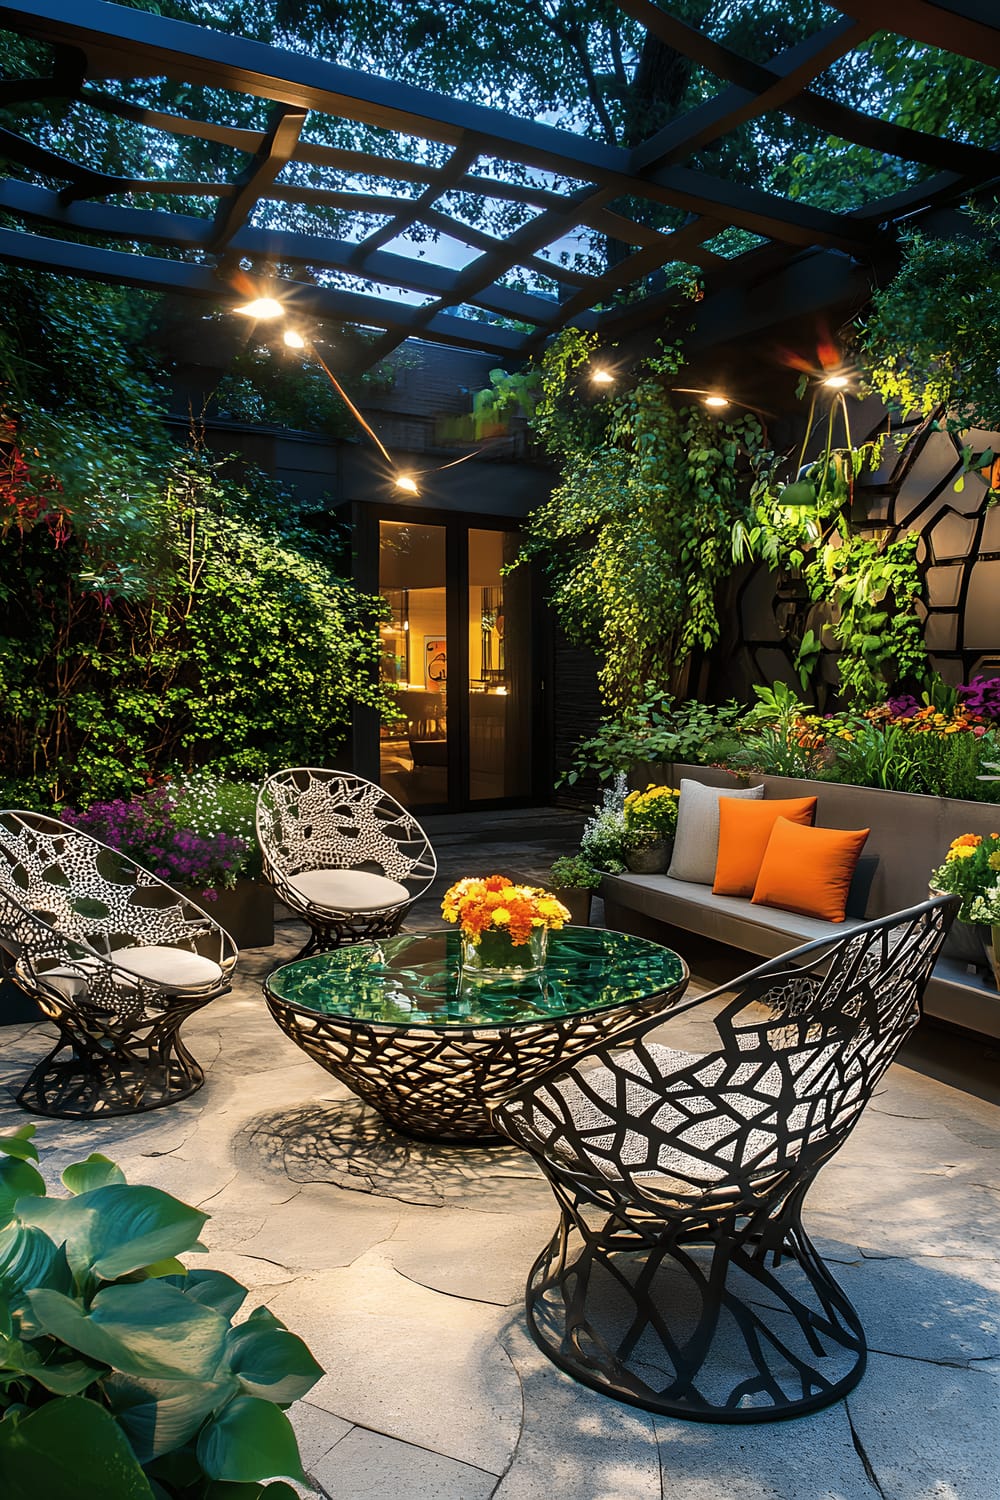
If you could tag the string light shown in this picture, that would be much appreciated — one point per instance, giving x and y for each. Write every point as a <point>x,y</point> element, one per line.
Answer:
<point>293,340</point>
<point>717,401</point>
<point>837,381</point>
<point>407,483</point>
<point>264,309</point>
<point>601,376</point>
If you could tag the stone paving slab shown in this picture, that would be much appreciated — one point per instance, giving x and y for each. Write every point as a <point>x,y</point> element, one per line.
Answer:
<point>402,1263</point>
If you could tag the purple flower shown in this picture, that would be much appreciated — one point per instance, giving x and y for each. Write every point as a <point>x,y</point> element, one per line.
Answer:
<point>982,696</point>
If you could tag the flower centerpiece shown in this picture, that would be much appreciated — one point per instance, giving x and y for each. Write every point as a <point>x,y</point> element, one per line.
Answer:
<point>504,927</point>
<point>650,821</point>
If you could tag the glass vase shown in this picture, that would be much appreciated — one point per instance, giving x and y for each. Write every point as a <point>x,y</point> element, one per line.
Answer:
<point>496,957</point>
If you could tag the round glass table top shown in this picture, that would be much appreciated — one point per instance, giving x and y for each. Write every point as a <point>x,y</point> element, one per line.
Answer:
<point>415,980</point>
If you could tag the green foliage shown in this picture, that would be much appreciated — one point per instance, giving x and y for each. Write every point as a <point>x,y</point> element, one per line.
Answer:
<point>931,336</point>
<point>971,869</point>
<point>634,537</point>
<point>571,872</point>
<point>939,765</point>
<point>871,582</point>
<point>121,1373</point>
<point>157,610</point>
<point>655,729</point>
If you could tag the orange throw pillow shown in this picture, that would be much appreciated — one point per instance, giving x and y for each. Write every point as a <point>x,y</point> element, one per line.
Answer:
<point>809,870</point>
<point>744,831</point>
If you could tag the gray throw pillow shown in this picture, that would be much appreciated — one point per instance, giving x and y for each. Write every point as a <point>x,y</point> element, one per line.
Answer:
<point>696,842</point>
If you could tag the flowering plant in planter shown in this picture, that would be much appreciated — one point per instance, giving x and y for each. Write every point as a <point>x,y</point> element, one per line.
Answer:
<point>572,872</point>
<point>652,811</point>
<point>971,867</point>
<point>148,830</point>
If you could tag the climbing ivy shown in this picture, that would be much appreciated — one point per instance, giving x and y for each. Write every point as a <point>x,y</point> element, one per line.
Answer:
<point>634,538</point>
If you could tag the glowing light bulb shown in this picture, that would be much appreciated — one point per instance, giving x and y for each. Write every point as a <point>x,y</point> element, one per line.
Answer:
<point>263,308</point>
<point>408,483</point>
<point>600,376</point>
<point>837,382</point>
<point>293,340</point>
<point>717,401</point>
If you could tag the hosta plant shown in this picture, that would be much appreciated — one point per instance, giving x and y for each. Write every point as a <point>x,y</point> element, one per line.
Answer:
<point>122,1374</point>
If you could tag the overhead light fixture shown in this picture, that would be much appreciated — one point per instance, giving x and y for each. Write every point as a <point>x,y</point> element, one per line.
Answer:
<point>261,308</point>
<point>293,340</point>
<point>602,376</point>
<point>407,483</point>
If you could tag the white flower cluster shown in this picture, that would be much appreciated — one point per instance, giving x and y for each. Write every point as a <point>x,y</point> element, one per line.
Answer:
<point>986,908</point>
<point>210,805</point>
<point>604,831</point>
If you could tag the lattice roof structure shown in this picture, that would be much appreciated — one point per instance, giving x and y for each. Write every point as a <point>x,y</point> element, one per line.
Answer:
<point>60,214</point>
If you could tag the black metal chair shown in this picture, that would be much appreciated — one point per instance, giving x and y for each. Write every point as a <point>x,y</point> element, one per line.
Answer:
<point>342,853</point>
<point>680,1278</point>
<point>115,957</point>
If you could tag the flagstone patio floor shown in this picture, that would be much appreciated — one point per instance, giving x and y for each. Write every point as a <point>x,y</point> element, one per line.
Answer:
<point>403,1266</point>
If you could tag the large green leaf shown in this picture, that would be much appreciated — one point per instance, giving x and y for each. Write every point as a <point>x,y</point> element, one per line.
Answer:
<point>270,1361</point>
<point>28,1258</point>
<point>249,1439</point>
<point>61,1377</point>
<point>213,1288</point>
<point>68,1449</point>
<point>142,1328</point>
<point>116,1229</point>
<point>18,1179</point>
<point>20,1144</point>
<point>97,1171</point>
<point>162,1415</point>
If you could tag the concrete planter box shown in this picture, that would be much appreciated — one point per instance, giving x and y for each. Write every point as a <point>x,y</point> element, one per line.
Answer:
<point>246,912</point>
<point>910,834</point>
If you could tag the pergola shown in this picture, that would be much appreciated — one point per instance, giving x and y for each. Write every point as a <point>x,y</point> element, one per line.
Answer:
<point>72,219</point>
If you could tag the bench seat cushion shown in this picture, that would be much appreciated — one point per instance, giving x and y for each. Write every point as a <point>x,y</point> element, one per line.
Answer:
<point>734,920</point>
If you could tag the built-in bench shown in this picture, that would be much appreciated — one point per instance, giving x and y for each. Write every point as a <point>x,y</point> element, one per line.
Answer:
<point>909,837</point>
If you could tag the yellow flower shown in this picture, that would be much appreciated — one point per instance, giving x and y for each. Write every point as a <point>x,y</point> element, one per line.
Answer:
<point>994,861</point>
<point>501,916</point>
<point>964,852</point>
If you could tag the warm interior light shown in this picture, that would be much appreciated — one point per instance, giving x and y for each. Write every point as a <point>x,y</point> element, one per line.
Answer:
<point>408,483</point>
<point>837,382</point>
<point>600,376</point>
<point>717,401</point>
<point>293,340</point>
<point>261,307</point>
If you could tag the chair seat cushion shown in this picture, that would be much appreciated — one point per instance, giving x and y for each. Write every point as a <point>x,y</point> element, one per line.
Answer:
<point>348,890</point>
<point>177,968</point>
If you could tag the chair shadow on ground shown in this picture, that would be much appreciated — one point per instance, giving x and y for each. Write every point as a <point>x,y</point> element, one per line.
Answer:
<point>344,1142</point>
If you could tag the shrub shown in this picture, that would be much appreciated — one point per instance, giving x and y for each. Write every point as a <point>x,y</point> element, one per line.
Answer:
<point>121,1374</point>
<point>572,872</point>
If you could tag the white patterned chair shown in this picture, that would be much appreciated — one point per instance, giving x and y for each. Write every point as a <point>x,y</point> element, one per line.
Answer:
<point>680,1278</point>
<point>342,853</point>
<point>115,957</point>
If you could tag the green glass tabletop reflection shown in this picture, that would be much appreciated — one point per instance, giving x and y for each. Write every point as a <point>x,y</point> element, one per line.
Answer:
<point>415,980</point>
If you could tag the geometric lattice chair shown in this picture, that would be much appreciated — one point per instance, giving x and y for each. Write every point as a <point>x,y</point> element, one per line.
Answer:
<point>116,958</point>
<point>680,1278</point>
<point>341,853</point>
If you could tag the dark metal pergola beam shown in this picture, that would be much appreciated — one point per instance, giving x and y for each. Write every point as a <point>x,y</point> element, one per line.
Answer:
<point>610,190</point>
<point>968,27</point>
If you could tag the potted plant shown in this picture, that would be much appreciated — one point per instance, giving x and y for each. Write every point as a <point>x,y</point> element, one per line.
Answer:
<point>971,870</point>
<point>574,880</point>
<point>197,834</point>
<point>985,911</point>
<point>121,1372</point>
<point>650,821</point>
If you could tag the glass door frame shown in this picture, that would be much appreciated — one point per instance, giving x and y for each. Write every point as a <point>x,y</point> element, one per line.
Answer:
<point>457,524</point>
